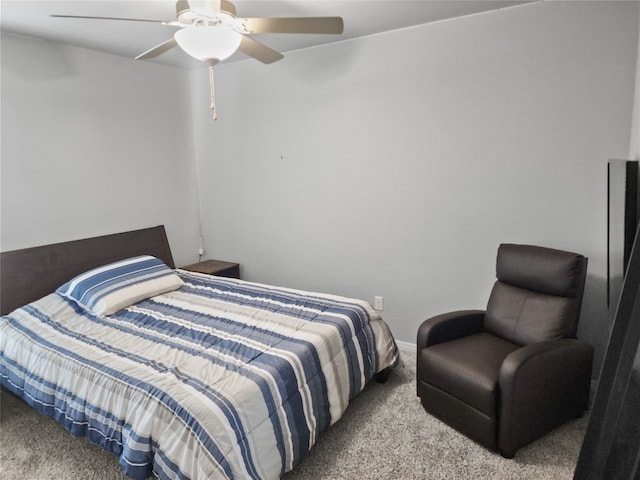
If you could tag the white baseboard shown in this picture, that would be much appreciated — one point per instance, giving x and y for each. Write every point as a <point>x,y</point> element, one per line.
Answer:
<point>406,346</point>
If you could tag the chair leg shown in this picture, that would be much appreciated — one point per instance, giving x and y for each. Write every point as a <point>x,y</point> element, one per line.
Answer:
<point>383,376</point>
<point>508,455</point>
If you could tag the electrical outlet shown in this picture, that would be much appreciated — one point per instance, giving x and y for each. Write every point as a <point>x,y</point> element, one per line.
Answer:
<point>378,303</point>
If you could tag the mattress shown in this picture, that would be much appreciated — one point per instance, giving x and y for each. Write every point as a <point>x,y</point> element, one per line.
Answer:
<point>221,378</point>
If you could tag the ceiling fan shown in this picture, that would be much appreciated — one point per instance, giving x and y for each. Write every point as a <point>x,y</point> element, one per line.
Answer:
<point>214,24</point>
<point>210,31</point>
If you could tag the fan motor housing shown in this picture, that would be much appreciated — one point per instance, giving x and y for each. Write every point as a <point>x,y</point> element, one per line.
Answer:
<point>183,8</point>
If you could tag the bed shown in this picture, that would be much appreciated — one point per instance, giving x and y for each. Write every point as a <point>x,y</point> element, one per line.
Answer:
<point>212,378</point>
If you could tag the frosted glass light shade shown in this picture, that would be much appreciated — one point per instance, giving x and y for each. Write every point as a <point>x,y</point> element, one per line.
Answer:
<point>208,43</point>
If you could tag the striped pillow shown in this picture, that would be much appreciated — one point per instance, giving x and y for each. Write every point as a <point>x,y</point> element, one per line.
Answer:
<point>107,289</point>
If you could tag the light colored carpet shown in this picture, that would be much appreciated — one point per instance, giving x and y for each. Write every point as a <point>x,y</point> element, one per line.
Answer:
<point>385,434</point>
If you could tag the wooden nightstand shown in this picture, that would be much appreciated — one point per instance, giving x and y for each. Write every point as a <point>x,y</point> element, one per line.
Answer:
<point>215,267</point>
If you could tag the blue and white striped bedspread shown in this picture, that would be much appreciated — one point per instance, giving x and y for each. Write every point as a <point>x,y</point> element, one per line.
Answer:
<point>218,379</point>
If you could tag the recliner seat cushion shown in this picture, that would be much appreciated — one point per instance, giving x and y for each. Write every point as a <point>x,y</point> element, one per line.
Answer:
<point>467,368</point>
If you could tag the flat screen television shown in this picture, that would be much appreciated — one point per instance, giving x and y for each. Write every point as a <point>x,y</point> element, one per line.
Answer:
<point>611,446</point>
<point>623,219</point>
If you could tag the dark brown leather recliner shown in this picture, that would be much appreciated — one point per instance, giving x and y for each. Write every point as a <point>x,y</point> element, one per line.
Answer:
<point>508,375</point>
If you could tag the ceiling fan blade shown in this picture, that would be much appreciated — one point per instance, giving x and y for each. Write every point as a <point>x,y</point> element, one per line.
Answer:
<point>228,7</point>
<point>110,18</point>
<point>158,49</point>
<point>333,25</point>
<point>258,50</point>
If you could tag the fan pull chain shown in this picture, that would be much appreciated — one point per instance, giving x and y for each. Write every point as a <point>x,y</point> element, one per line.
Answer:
<point>213,93</point>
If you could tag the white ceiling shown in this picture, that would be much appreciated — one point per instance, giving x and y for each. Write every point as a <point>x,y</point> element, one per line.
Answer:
<point>361,17</point>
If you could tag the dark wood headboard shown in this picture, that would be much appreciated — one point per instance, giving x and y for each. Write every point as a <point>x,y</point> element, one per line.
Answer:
<point>31,273</point>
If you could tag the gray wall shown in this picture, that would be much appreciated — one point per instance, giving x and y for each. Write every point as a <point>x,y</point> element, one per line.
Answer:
<point>391,165</point>
<point>395,165</point>
<point>93,144</point>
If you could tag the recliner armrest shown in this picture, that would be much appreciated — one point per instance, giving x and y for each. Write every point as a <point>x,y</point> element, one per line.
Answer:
<point>445,327</point>
<point>541,386</point>
<point>449,326</point>
<point>544,359</point>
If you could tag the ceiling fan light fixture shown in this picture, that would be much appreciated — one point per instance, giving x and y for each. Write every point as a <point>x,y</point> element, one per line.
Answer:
<point>208,43</point>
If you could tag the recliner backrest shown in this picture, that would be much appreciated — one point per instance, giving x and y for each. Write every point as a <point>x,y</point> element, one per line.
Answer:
<point>538,294</point>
